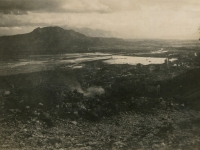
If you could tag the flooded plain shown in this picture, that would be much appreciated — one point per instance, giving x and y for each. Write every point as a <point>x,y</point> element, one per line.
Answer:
<point>48,62</point>
<point>117,59</point>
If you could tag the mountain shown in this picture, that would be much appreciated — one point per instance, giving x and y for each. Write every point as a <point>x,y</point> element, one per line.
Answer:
<point>91,32</point>
<point>50,40</point>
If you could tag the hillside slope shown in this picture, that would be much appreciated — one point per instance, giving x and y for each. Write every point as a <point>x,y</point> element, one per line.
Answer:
<point>50,40</point>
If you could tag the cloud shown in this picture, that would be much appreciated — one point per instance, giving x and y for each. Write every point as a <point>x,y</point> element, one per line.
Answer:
<point>20,7</point>
<point>22,20</point>
<point>127,18</point>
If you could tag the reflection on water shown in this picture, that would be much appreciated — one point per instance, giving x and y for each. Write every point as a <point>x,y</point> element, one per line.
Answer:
<point>159,52</point>
<point>48,62</point>
<point>135,60</point>
<point>80,60</point>
<point>13,65</point>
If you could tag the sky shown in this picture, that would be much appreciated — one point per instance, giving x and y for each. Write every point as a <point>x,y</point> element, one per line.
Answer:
<point>129,19</point>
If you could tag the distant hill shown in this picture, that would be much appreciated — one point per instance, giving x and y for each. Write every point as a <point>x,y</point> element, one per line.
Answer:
<point>92,32</point>
<point>50,40</point>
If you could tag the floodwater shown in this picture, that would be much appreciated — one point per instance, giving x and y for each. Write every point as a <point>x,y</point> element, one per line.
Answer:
<point>48,62</point>
<point>135,60</point>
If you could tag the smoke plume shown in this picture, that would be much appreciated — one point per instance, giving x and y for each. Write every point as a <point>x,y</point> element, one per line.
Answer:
<point>93,91</point>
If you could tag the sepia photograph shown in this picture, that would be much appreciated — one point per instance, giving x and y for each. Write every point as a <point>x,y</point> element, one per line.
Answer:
<point>100,74</point>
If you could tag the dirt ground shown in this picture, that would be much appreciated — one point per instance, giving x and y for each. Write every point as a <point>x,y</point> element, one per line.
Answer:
<point>163,129</point>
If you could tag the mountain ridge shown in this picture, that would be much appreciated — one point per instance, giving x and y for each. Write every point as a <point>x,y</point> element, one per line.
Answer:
<point>50,40</point>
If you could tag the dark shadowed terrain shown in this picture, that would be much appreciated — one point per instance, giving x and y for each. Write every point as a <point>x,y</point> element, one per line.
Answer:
<point>60,89</point>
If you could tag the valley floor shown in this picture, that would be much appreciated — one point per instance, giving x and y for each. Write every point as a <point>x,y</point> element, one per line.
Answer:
<point>94,105</point>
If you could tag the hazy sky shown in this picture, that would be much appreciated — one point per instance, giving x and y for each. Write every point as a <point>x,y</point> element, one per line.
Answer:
<point>171,19</point>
